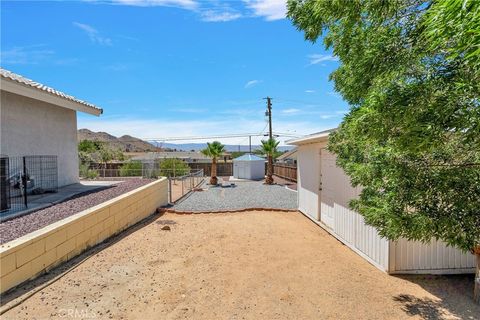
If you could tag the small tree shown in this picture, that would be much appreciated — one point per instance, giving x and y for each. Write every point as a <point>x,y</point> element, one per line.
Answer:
<point>173,167</point>
<point>410,71</point>
<point>214,150</point>
<point>269,148</point>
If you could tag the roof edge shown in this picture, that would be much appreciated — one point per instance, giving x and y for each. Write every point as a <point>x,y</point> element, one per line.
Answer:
<point>311,138</point>
<point>13,83</point>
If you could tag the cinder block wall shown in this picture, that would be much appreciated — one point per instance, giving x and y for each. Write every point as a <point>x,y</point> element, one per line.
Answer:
<point>35,253</point>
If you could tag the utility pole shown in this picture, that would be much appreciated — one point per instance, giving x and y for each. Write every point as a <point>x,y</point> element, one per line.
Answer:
<point>269,113</point>
<point>250,144</point>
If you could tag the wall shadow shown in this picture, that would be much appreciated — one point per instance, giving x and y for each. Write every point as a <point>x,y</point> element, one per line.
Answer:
<point>31,286</point>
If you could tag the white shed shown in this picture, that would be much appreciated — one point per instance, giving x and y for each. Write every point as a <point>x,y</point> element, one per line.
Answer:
<point>249,166</point>
<point>324,191</point>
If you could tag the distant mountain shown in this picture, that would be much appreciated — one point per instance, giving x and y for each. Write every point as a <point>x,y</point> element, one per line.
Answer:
<point>131,144</point>
<point>125,143</point>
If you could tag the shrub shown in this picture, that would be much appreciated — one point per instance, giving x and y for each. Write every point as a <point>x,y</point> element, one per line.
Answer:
<point>131,169</point>
<point>173,167</point>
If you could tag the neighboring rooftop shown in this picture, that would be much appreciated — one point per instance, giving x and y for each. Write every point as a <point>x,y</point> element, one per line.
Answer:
<point>311,138</point>
<point>249,157</point>
<point>20,85</point>
<point>292,154</point>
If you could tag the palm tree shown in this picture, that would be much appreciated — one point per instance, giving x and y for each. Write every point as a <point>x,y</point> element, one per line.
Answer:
<point>269,148</point>
<point>214,150</point>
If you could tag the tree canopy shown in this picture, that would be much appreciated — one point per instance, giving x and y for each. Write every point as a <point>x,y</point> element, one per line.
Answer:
<point>213,150</point>
<point>269,147</point>
<point>410,71</point>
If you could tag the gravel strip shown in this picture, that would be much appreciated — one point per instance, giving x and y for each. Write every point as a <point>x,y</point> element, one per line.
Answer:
<point>15,228</point>
<point>244,195</point>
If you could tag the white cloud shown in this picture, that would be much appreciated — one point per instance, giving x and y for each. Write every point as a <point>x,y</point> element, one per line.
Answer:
<point>93,34</point>
<point>219,16</point>
<point>185,4</point>
<point>317,58</point>
<point>252,83</point>
<point>309,91</point>
<point>269,9</point>
<point>160,129</point>
<point>26,55</point>
<point>290,111</point>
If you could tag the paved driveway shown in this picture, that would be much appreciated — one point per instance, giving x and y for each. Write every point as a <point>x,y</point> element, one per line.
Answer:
<point>245,194</point>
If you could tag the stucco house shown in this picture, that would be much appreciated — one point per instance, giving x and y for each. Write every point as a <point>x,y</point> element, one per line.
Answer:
<point>324,191</point>
<point>39,120</point>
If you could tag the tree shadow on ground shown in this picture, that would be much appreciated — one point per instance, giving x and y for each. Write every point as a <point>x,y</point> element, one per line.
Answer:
<point>455,294</point>
<point>29,288</point>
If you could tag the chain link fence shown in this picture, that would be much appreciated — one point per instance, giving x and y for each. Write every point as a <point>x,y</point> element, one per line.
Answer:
<point>179,186</point>
<point>181,181</point>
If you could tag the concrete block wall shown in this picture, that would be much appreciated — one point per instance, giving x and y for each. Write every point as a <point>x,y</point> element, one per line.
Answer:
<point>35,253</point>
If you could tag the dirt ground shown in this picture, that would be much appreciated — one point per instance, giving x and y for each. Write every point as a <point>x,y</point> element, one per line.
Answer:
<point>254,265</point>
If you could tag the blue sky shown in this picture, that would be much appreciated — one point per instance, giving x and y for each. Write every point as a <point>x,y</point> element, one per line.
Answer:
<point>169,68</point>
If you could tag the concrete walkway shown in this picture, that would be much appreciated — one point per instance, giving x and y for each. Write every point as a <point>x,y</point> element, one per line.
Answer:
<point>37,202</point>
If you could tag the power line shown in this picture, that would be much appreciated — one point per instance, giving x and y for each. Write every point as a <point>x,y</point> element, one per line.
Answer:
<point>226,136</point>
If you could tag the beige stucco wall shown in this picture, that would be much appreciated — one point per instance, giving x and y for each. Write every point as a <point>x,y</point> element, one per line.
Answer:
<point>35,253</point>
<point>32,127</point>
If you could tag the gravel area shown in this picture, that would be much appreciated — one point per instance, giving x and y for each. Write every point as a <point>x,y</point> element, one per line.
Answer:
<point>23,225</point>
<point>251,194</point>
<point>249,265</point>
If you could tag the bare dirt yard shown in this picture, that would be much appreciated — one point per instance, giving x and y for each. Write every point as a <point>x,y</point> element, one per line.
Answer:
<point>253,265</point>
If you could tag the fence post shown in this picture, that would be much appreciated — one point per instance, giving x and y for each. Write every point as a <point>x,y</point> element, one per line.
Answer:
<point>24,182</point>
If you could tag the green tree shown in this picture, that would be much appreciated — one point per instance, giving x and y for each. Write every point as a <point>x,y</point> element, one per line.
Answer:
<point>173,168</point>
<point>214,150</point>
<point>269,148</point>
<point>89,146</point>
<point>410,72</point>
<point>96,151</point>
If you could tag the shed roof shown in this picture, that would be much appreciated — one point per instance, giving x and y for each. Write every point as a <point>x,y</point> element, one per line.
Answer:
<point>20,85</point>
<point>249,157</point>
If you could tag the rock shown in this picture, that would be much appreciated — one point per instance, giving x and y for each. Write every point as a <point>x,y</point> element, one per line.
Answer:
<point>166,228</point>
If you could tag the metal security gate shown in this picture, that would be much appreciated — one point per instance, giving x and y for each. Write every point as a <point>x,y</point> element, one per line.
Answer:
<point>23,178</point>
<point>4,184</point>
